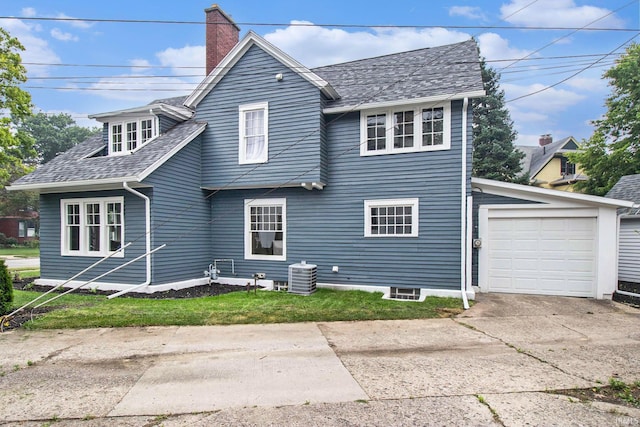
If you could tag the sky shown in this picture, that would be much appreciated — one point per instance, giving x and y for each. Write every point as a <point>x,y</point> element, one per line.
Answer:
<point>551,54</point>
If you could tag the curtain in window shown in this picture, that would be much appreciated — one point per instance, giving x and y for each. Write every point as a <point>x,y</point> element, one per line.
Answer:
<point>254,135</point>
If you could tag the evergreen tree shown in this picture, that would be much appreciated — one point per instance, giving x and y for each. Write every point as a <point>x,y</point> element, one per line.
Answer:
<point>6,289</point>
<point>494,155</point>
<point>614,148</point>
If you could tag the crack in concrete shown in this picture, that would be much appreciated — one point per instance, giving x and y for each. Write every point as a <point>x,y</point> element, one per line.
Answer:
<point>522,351</point>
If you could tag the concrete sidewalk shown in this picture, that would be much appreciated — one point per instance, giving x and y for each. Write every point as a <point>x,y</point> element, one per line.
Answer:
<point>18,262</point>
<point>507,349</point>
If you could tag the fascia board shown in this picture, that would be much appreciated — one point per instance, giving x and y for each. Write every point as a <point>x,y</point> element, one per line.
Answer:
<point>396,102</point>
<point>545,195</point>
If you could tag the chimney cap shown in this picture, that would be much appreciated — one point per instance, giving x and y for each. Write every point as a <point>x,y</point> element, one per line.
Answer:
<point>214,7</point>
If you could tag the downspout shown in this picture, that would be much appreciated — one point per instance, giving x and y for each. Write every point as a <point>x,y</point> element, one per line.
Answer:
<point>147,232</point>
<point>463,209</point>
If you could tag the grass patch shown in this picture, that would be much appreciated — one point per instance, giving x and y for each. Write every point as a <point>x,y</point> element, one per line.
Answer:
<point>84,311</point>
<point>20,252</point>
<point>25,272</point>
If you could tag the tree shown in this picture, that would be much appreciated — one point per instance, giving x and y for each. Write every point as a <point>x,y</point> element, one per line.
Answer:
<point>494,155</point>
<point>6,289</point>
<point>54,134</point>
<point>15,147</point>
<point>614,148</point>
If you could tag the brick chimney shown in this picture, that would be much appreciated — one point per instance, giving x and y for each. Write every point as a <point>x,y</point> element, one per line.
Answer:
<point>545,139</point>
<point>222,35</point>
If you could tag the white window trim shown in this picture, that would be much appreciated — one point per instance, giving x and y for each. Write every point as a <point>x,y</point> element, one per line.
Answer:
<point>417,129</point>
<point>140,144</point>
<point>248,203</point>
<point>103,227</point>
<point>415,215</point>
<point>242,149</point>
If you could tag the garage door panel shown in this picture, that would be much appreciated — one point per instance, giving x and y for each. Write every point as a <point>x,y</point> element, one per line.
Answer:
<point>552,256</point>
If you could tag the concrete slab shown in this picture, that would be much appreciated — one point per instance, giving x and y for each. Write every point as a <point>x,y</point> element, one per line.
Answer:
<point>264,365</point>
<point>393,359</point>
<point>542,409</point>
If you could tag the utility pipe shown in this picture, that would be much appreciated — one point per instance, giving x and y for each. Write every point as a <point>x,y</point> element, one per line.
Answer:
<point>463,208</point>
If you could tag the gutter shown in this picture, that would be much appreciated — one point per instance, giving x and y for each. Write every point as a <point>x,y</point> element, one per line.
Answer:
<point>463,209</point>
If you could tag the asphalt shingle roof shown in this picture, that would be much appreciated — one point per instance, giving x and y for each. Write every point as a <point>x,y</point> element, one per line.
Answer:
<point>627,188</point>
<point>442,70</point>
<point>77,164</point>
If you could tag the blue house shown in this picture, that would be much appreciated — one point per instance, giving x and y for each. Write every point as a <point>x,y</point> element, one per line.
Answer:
<point>361,168</point>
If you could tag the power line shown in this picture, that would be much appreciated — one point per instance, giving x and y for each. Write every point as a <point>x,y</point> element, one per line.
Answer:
<point>309,24</point>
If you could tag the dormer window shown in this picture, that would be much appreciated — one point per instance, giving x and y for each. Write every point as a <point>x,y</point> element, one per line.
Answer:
<point>125,137</point>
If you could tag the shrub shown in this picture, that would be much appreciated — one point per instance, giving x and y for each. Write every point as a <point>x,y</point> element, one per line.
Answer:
<point>6,289</point>
<point>11,242</point>
<point>3,239</point>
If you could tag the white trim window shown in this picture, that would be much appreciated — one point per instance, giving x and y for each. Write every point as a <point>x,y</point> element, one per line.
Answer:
<point>265,223</point>
<point>405,129</point>
<point>391,218</point>
<point>126,137</point>
<point>253,125</point>
<point>92,227</point>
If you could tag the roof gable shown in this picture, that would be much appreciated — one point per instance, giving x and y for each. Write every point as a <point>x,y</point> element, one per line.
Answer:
<point>252,39</point>
<point>538,157</point>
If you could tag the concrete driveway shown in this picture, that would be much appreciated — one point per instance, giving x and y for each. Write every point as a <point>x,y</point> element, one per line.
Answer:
<point>489,366</point>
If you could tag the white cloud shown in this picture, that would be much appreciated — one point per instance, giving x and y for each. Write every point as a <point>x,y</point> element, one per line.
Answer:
<point>552,100</point>
<point>493,46</point>
<point>141,86</point>
<point>36,49</point>
<point>314,46</point>
<point>58,34</point>
<point>188,56</point>
<point>470,12</point>
<point>557,13</point>
<point>77,24</point>
<point>589,84</point>
<point>81,119</point>
<point>28,12</point>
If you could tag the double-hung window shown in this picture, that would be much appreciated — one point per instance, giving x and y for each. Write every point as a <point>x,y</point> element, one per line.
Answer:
<point>92,227</point>
<point>391,218</point>
<point>265,229</point>
<point>253,133</point>
<point>125,137</point>
<point>405,130</point>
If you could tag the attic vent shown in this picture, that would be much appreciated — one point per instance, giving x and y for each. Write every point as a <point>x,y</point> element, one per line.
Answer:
<point>302,278</point>
<point>405,293</point>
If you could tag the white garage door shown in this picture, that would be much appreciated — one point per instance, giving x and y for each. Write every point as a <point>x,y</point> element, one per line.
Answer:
<point>547,256</point>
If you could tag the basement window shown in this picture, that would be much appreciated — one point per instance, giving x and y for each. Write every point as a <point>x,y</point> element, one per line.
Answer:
<point>412,294</point>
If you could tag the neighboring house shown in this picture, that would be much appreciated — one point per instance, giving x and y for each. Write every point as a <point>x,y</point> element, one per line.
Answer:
<point>548,165</point>
<point>628,188</point>
<point>23,228</point>
<point>362,169</point>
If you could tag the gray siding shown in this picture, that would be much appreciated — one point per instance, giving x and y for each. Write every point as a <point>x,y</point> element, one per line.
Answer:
<point>629,250</point>
<point>479,199</point>
<point>294,126</point>
<point>327,227</point>
<point>55,266</point>
<point>180,218</point>
<point>166,123</point>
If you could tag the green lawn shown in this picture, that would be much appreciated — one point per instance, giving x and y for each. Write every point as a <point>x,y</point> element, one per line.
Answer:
<point>86,311</point>
<point>22,252</point>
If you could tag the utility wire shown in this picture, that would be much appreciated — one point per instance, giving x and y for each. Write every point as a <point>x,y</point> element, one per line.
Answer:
<point>309,24</point>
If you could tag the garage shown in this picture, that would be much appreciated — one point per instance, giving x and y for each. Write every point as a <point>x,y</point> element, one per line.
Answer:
<point>549,256</point>
<point>629,250</point>
<point>532,240</point>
